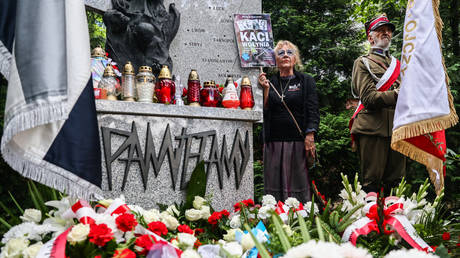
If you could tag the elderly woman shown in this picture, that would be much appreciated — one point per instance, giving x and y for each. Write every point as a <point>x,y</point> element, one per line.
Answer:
<point>289,127</point>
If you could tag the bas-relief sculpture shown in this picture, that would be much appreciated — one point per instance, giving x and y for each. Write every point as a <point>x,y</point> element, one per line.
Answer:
<point>141,31</point>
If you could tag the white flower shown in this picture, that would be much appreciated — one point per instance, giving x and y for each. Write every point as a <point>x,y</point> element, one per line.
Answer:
<point>14,248</point>
<point>292,202</point>
<point>235,222</point>
<point>187,240</point>
<point>31,231</point>
<point>288,230</point>
<point>205,212</point>
<point>350,251</point>
<point>31,215</point>
<point>233,248</point>
<point>173,211</point>
<point>32,250</point>
<point>230,236</point>
<point>193,214</point>
<point>268,200</point>
<point>247,242</point>
<point>170,222</point>
<point>198,202</point>
<point>190,253</point>
<point>151,216</point>
<point>264,212</point>
<point>307,208</point>
<point>78,234</point>
<point>314,250</point>
<point>411,253</point>
<point>137,209</point>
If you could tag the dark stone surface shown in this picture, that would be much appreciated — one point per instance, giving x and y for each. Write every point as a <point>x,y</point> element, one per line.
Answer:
<point>141,31</point>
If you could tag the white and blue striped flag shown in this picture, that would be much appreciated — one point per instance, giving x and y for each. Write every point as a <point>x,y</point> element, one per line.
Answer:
<point>50,130</point>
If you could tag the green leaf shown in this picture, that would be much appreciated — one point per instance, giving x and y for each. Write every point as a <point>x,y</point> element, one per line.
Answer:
<point>39,197</point>
<point>14,218</point>
<point>5,223</point>
<point>280,232</point>
<point>16,203</point>
<point>197,185</point>
<point>303,228</point>
<point>320,229</point>
<point>32,196</point>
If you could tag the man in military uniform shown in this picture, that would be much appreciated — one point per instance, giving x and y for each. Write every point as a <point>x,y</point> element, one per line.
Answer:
<point>375,81</point>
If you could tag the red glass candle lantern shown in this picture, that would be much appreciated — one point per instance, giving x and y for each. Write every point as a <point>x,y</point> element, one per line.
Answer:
<point>165,88</point>
<point>193,92</point>
<point>246,96</point>
<point>209,95</point>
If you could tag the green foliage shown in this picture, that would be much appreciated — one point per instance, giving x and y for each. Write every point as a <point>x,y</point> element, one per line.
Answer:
<point>327,39</point>
<point>197,185</point>
<point>96,29</point>
<point>334,152</point>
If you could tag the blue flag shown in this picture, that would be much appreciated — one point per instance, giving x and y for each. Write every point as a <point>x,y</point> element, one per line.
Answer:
<point>50,130</point>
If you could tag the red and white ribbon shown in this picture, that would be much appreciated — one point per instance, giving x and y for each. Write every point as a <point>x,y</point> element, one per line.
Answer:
<point>393,222</point>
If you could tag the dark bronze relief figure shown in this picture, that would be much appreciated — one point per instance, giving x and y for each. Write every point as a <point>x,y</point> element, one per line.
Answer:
<point>141,31</point>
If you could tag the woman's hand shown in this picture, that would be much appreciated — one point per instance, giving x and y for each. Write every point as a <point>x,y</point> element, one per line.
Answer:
<point>310,144</point>
<point>263,81</point>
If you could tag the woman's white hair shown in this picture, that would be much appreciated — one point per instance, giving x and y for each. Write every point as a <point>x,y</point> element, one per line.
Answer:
<point>291,45</point>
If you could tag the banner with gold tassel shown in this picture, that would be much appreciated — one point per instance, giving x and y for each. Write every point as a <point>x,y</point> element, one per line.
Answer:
<point>425,106</point>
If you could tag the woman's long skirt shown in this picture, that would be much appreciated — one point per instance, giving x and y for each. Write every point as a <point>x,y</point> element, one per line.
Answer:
<point>286,171</point>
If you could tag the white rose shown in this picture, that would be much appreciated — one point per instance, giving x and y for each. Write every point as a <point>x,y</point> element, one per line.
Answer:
<point>247,242</point>
<point>173,211</point>
<point>288,230</point>
<point>14,247</point>
<point>31,215</point>
<point>268,200</point>
<point>32,250</point>
<point>186,240</point>
<point>230,236</point>
<point>193,214</point>
<point>235,222</point>
<point>170,222</point>
<point>205,212</point>
<point>233,248</point>
<point>292,202</point>
<point>190,253</point>
<point>198,202</point>
<point>264,212</point>
<point>78,234</point>
<point>151,215</point>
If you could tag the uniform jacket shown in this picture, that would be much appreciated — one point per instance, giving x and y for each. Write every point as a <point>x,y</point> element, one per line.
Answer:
<point>377,116</point>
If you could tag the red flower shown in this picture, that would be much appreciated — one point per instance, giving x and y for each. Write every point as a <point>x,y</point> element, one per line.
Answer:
<point>97,256</point>
<point>126,222</point>
<point>214,218</point>
<point>184,92</point>
<point>145,242</point>
<point>198,231</point>
<point>158,228</point>
<point>225,213</point>
<point>125,253</point>
<point>248,202</point>
<point>433,247</point>
<point>446,236</point>
<point>184,229</point>
<point>100,234</point>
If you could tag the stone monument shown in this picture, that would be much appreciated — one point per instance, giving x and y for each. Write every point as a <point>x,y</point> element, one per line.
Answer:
<point>149,150</point>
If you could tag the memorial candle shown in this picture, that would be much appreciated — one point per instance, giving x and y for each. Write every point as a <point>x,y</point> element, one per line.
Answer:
<point>246,96</point>
<point>165,88</point>
<point>193,92</point>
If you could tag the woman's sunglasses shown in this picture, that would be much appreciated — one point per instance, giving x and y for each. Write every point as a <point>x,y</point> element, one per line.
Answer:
<point>283,52</point>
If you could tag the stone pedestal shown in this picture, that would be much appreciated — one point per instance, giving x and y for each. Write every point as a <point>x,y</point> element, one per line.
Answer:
<point>149,151</point>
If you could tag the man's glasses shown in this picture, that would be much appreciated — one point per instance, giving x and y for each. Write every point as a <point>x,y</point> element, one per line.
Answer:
<point>283,52</point>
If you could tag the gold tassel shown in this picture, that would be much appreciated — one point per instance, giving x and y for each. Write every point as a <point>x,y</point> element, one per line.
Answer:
<point>433,164</point>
